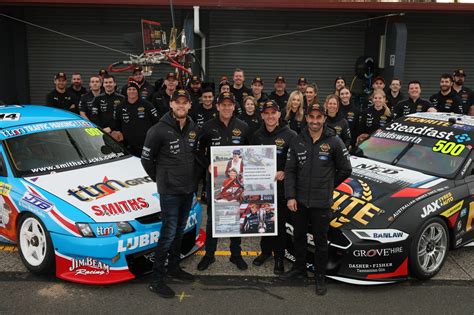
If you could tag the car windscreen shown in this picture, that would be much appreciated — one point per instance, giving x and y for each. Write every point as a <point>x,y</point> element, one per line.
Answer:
<point>60,150</point>
<point>428,155</point>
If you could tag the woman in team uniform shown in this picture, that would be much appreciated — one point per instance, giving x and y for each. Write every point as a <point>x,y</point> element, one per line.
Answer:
<point>295,111</point>
<point>335,119</point>
<point>374,117</point>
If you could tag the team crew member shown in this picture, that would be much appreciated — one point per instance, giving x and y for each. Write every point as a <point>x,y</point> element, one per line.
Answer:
<point>335,119</point>
<point>145,88</point>
<point>317,162</point>
<point>85,103</point>
<point>60,97</point>
<point>161,99</point>
<point>394,95</point>
<point>311,95</point>
<point>251,114</point>
<point>224,130</point>
<point>168,158</point>
<point>339,83</point>
<point>271,133</point>
<point>103,106</point>
<point>301,84</point>
<point>195,90</point>
<point>374,117</point>
<point>465,94</point>
<point>133,118</point>
<point>279,94</point>
<point>350,112</point>
<point>446,100</point>
<point>257,92</point>
<point>295,111</point>
<point>76,87</point>
<point>238,88</point>
<point>204,111</point>
<point>414,103</point>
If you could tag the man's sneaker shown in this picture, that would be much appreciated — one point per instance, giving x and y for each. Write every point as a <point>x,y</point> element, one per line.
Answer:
<point>205,262</point>
<point>261,259</point>
<point>239,262</point>
<point>293,273</point>
<point>160,288</point>
<point>180,274</point>
<point>321,288</point>
<point>279,266</point>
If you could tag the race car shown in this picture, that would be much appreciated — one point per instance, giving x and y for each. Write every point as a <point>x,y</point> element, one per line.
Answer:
<point>75,201</point>
<point>408,201</point>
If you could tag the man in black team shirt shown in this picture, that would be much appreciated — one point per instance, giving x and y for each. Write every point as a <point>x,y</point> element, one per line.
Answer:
<point>446,100</point>
<point>279,95</point>
<point>76,86</point>
<point>60,97</point>
<point>394,94</point>
<point>257,92</point>
<point>145,88</point>
<point>133,118</point>
<point>414,103</point>
<point>204,111</point>
<point>85,103</point>
<point>195,90</point>
<point>161,99</point>
<point>465,94</point>
<point>103,106</point>
<point>239,89</point>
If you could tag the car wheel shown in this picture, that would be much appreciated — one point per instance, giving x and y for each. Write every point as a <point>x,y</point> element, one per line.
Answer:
<point>35,245</point>
<point>429,249</point>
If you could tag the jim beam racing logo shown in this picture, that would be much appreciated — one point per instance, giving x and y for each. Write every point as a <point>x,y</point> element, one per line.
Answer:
<point>89,266</point>
<point>437,204</point>
<point>352,208</point>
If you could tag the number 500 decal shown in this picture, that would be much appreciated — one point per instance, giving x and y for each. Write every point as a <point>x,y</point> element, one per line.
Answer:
<point>446,147</point>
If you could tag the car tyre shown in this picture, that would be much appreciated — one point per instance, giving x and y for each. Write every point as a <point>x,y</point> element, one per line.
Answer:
<point>429,249</point>
<point>35,245</point>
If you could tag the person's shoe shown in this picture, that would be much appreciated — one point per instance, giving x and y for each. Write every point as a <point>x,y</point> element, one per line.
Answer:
<point>261,259</point>
<point>321,288</point>
<point>279,266</point>
<point>293,273</point>
<point>160,288</point>
<point>205,262</point>
<point>180,274</point>
<point>239,262</point>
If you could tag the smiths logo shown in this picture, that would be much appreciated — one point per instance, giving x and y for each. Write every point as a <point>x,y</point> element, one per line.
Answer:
<point>279,142</point>
<point>105,188</point>
<point>192,135</point>
<point>325,147</point>
<point>236,132</point>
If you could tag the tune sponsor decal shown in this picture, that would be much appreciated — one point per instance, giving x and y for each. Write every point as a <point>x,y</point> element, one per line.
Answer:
<point>351,208</point>
<point>105,188</point>
<point>138,241</point>
<point>89,266</point>
<point>437,204</point>
<point>120,207</point>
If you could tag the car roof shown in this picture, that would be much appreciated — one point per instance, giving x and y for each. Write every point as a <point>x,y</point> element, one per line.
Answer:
<point>31,114</point>
<point>448,117</point>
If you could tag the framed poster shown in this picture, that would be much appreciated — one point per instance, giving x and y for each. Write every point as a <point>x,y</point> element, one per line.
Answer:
<point>244,191</point>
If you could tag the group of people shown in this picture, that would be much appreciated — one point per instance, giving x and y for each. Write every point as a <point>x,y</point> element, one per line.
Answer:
<point>173,128</point>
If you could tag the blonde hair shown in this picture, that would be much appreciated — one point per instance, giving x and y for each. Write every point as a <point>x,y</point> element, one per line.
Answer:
<point>300,112</point>
<point>332,96</point>
<point>387,112</point>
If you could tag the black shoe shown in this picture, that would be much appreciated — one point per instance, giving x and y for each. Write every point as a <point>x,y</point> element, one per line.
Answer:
<point>279,266</point>
<point>160,288</point>
<point>261,259</point>
<point>321,288</point>
<point>180,274</point>
<point>239,262</point>
<point>205,262</point>
<point>293,273</point>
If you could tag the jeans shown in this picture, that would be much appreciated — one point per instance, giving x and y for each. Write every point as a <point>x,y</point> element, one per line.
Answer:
<point>211,242</point>
<point>175,211</point>
<point>320,219</point>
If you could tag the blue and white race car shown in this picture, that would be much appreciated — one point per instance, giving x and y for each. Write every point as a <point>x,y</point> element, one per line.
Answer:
<point>75,201</point>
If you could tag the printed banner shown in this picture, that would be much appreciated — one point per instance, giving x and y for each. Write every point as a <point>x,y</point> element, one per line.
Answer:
<point>244,191</point>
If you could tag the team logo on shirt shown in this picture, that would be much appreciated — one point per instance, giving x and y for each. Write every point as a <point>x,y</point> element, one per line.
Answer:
<point>192,135</point>
<point>141,109</point>
<point>325,147</point>
<point>338,129</point>
<point>279,142</point>
<point>116,102</point>
<point>236,132</point>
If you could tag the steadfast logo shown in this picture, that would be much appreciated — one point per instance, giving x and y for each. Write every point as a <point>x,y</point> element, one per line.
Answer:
<point>437,204</point>
<point>422,131</point>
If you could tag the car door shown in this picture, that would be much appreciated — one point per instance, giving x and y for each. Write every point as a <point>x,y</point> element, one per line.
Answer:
<point>8,207</point>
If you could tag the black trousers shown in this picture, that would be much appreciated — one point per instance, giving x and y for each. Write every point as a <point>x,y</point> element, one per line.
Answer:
<point>211,242</point>
<point>277,244</point>
<point>320,219</point>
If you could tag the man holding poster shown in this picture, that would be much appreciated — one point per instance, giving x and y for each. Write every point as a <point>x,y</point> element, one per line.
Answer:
<point>271,133</point>
<point>223,130</point>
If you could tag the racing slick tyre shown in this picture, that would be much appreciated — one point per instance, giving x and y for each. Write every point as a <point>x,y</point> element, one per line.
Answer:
<point>35,245</point>
<point>429,249</point>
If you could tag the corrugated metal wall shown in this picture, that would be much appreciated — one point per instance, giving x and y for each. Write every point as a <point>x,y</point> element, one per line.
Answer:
<point>49,53</point>
<point>438,43</point>
<point>321,55</point>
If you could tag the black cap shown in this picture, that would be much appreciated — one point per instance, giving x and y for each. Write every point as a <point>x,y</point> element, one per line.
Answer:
<point>302,80</point>
<point>257,80</point>
<point>170,75</point>
<point>103,72</point>
<point>316,106</point>
<point>226,96</point>
<point>195,79</point>
<point>137,69</point>
<point>280,78</point>
<point>60,75</point>
<point>379,78</point>
<point>459,73</point>
<point>180,93</point>
<point>270,104</point>
<point>133,84</point>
